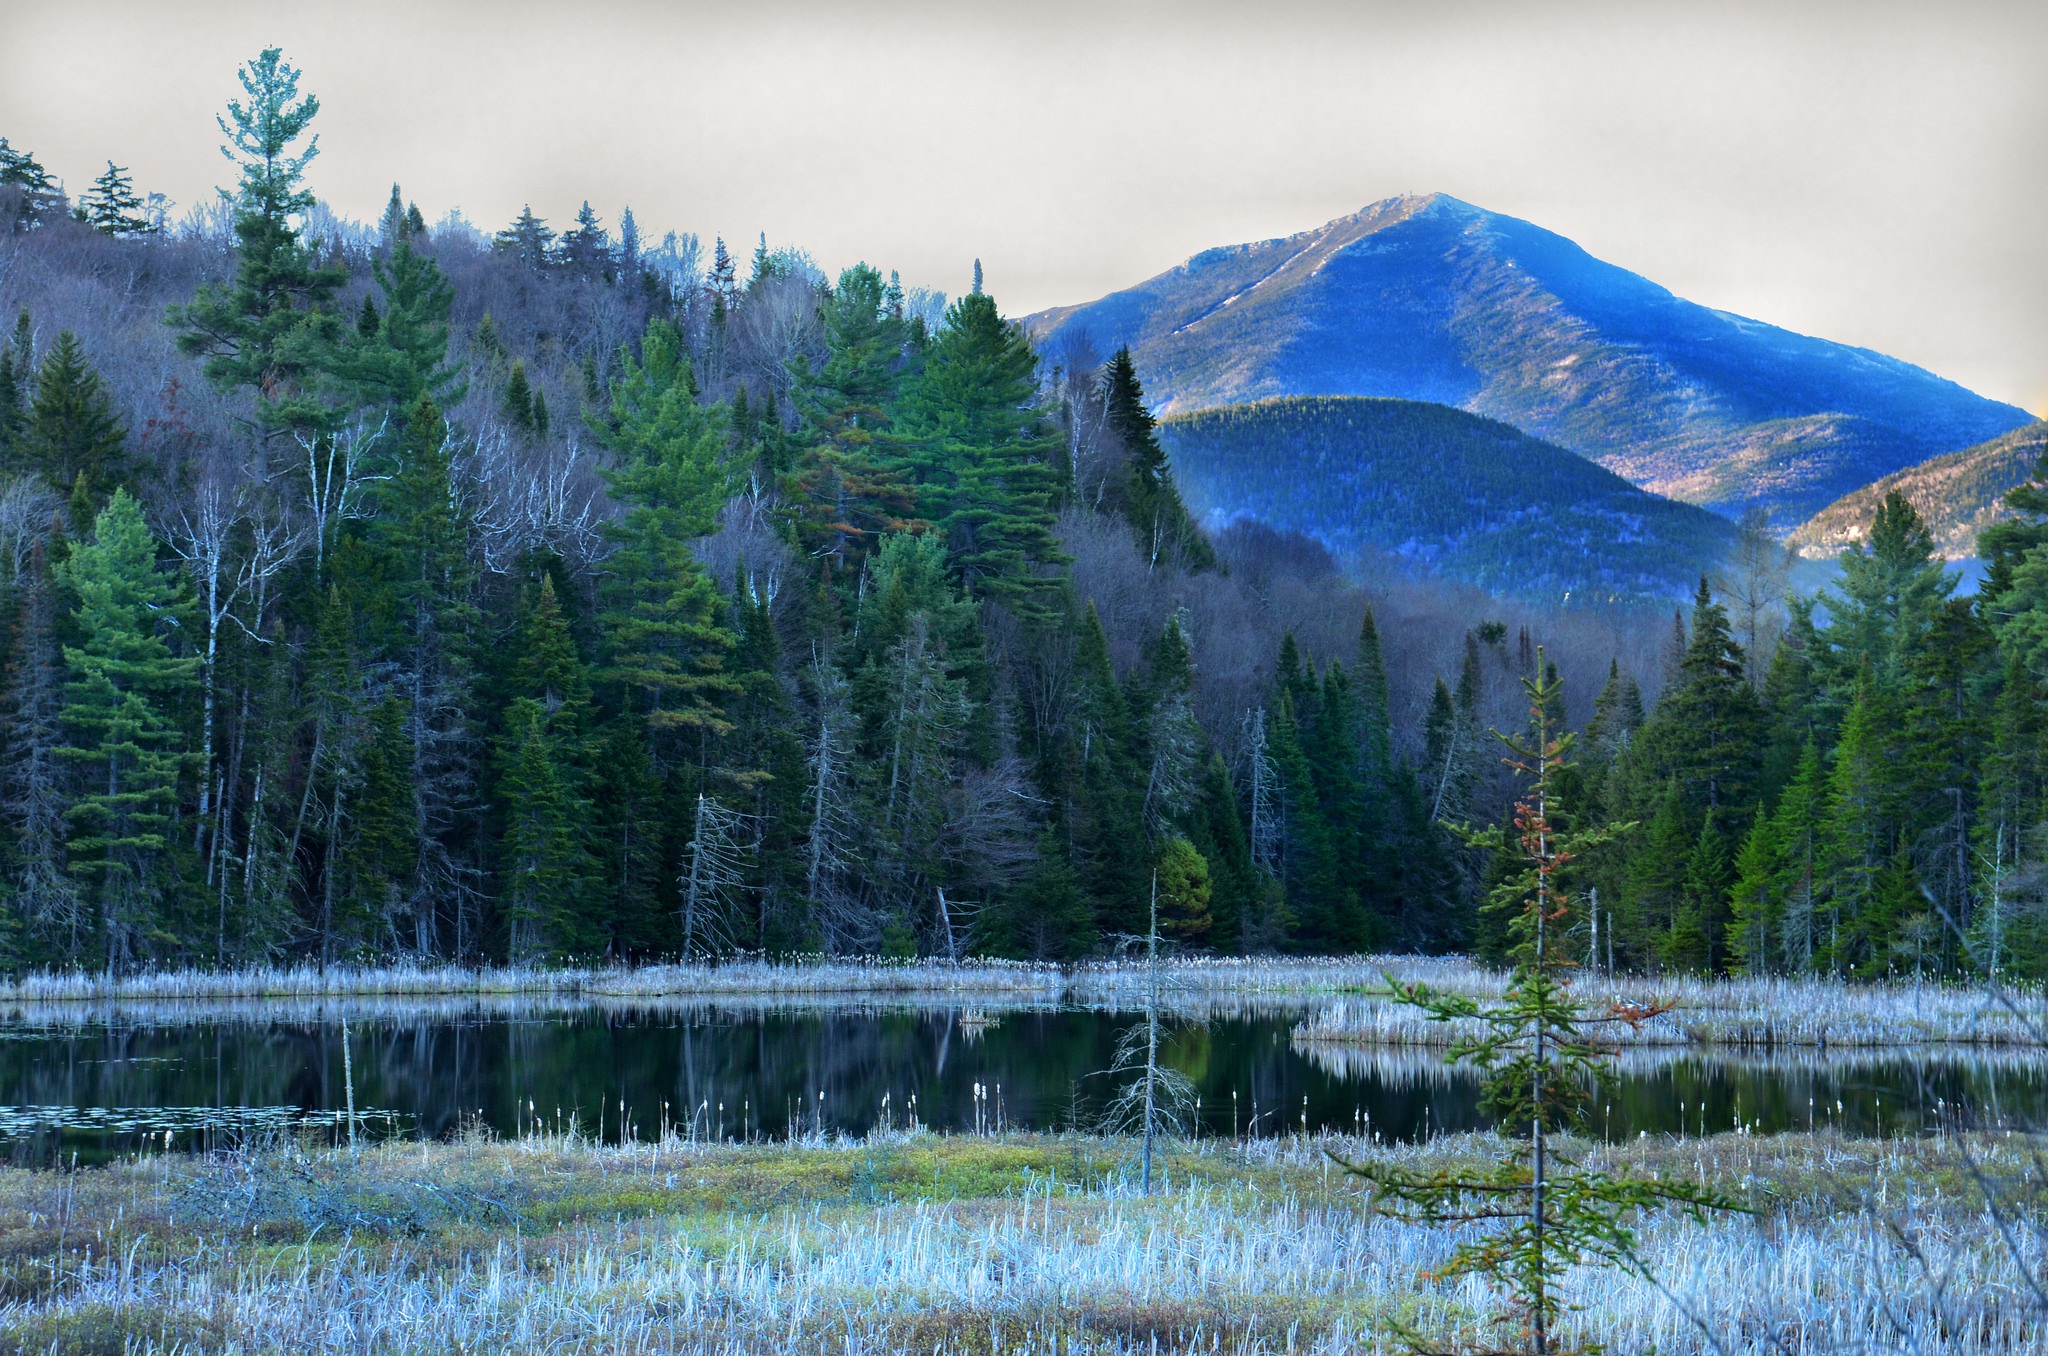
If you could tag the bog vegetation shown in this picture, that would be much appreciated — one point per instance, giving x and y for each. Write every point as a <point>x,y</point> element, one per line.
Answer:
<point>410,594</point>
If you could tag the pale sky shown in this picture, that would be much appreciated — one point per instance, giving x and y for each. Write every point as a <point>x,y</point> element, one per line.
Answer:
<point>1869,172</point>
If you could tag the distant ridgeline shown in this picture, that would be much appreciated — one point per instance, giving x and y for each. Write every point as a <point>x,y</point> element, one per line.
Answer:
<point>1429,298</point>
<point>1465,497</point>
<point>1958,494</point>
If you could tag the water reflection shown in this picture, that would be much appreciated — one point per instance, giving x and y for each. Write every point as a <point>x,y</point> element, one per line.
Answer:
<point>747,1070</point>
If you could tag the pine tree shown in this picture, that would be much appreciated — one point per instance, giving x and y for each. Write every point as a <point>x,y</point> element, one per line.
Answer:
<point>1707,731</point>
<point>844,493</point>
<point>126,687</point>
<point>1105,808</point>
<point>425,537</point>
<point>979,452</point>
<point>1617,715</point>
<point>273,331</point>
<point>112,206</point>
<point>1375,717</point>
<point>1699,929</point>
<point>35,197</point>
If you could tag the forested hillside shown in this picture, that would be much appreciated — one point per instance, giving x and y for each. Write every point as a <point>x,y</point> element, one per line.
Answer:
<point>1424,297</point>
<point>1432,486</point>
<point>404,591</point>
<point>1959,495</point>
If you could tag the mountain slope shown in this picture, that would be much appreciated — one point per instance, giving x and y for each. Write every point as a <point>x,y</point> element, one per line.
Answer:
<point>1430,298</point>
<point>1467,497</point>
<point>1959,494</point>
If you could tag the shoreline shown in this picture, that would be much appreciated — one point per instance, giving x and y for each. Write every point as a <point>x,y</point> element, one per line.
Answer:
<point>1347,1002</point>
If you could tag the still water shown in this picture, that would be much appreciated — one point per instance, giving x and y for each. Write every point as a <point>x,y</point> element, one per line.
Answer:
<point>101,1085</point>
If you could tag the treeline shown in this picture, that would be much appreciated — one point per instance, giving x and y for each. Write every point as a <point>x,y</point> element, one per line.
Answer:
<point>404,591</point>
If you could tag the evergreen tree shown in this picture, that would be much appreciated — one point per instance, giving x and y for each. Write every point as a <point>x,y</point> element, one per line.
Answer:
<point>844,492</point>
<point>519,398</point>
<point>1375,717</point>
<point>1617,715</point>
<point>112,206</point>
<point>1891,587</point>
<point>35,782</point>
<point>1184,892</point>
<point>126,687</point>
<point>542,855</point>
<point>274,331</point>
<point>1857,843</point>
<point>73,436</point>
<point>527,240</point>
<point>35,197</point>
<point>979,453</point>
<point>586,251</point>
<point>393,226</point>
<point>665,645</point>
<point>1150,501</point>
<point>405,359</point>
<point>17,384</point>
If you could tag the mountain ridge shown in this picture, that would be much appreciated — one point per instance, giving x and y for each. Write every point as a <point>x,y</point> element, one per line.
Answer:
<point>1426,297</point>
<point>1380,480</point>
<point>1957,494</point>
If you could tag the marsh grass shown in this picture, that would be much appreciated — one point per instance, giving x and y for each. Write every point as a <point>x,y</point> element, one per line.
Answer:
<point>1345,999</point>
<point>912,1242</point>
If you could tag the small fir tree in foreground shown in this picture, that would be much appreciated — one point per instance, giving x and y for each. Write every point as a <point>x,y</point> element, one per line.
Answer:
<point>1539,1052</point>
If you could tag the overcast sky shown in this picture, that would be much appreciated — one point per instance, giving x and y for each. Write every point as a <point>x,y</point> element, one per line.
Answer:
<point>1876,174</point>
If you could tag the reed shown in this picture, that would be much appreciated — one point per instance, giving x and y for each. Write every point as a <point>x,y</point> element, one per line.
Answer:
<point>921,1243</point>
<point>1344,999</point>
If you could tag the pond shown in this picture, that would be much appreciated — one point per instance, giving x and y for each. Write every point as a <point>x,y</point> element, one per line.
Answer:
<point>112,1081</point>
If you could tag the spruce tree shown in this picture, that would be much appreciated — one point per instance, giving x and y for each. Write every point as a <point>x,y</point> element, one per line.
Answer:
<point>1150,500</point>
<point>1890,589</point>
<point>541,853</point>
<point>665,641</point>
<point>1541,1054</point>
<point>73,437</point>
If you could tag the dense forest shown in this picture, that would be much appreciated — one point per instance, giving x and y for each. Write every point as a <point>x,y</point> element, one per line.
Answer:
<point>403,591</point>
<point>1466,497</point>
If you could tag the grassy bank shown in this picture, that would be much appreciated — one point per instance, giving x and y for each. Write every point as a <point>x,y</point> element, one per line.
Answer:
<point>1345,996</point>
<point>919,1243</point>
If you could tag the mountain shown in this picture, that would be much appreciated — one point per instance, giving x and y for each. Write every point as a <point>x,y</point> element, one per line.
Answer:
<point>1430,298</point>
<point>1959,494</point>
<point>1463,496</point>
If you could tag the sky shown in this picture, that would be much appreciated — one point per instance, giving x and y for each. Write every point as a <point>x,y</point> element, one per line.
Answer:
<point>1870,172</point>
